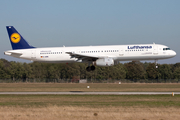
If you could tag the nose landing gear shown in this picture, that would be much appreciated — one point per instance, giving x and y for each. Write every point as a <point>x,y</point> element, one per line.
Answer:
<point>156,63</point>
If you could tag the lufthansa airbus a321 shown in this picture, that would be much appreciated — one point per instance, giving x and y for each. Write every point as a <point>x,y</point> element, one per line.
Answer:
<point>93,55</point>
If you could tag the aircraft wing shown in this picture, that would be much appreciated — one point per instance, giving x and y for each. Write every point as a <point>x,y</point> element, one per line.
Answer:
<point>85,57</point>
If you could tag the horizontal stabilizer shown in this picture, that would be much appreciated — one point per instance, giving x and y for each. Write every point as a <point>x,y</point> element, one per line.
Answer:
<point>12,52</point>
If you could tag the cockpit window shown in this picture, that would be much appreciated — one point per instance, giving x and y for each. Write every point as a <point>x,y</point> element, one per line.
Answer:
<point>166,49</point>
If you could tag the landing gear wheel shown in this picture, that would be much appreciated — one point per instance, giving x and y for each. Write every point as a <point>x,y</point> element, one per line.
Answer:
<point>93,67</point>
<point>88,69</point>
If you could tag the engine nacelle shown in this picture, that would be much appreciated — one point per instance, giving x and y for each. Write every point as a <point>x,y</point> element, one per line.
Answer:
<point>104,62</point>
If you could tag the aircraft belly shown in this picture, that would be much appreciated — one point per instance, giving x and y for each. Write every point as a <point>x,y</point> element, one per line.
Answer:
<point>140,57</point>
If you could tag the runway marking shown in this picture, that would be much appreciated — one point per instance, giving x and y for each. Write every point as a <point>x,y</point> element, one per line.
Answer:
<point>88,93</point>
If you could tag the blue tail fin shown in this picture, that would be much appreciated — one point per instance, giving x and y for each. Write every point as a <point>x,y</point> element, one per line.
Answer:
<point>17,41</point>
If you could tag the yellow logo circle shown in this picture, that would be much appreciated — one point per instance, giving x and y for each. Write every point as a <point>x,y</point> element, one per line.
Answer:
<point>15,37</point>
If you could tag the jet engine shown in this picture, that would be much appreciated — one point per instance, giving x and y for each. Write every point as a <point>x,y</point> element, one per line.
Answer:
<point>104,62</point>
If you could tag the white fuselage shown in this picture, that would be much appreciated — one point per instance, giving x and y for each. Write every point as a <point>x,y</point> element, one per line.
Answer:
<point>116,52</point>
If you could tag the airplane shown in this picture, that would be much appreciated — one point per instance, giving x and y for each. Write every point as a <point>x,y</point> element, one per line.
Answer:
<point>108,55</point>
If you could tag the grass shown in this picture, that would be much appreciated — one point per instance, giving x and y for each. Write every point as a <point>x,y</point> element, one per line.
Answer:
<point>128,87</point>
<point>89,107</point>
<point>90,100</point>
<point>85,113</point>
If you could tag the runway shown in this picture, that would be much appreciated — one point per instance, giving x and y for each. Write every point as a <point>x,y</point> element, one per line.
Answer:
<point>88,93</point>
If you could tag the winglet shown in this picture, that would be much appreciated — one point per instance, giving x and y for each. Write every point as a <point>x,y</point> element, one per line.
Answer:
<point>17,41</point>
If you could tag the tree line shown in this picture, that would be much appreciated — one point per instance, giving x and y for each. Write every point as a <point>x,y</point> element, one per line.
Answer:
<point>59,71</point>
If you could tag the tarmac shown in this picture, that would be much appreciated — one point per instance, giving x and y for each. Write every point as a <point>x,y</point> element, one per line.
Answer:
<point>88,93</point>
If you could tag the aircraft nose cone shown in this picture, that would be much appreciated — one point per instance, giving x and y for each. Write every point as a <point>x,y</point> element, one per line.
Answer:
<point>173,53</point>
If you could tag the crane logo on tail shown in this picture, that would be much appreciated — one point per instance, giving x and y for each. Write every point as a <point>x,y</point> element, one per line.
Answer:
<point>15,37</point>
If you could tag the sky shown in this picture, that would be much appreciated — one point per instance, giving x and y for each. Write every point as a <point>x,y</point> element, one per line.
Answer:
<point>54,23</point>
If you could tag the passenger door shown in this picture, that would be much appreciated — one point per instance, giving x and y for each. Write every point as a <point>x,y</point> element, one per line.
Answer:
<point>155,49</point>
<point>33,54</point>
<point>121,52</point>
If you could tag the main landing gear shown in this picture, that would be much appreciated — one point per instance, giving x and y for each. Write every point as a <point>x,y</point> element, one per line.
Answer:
<point>90,68</point>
